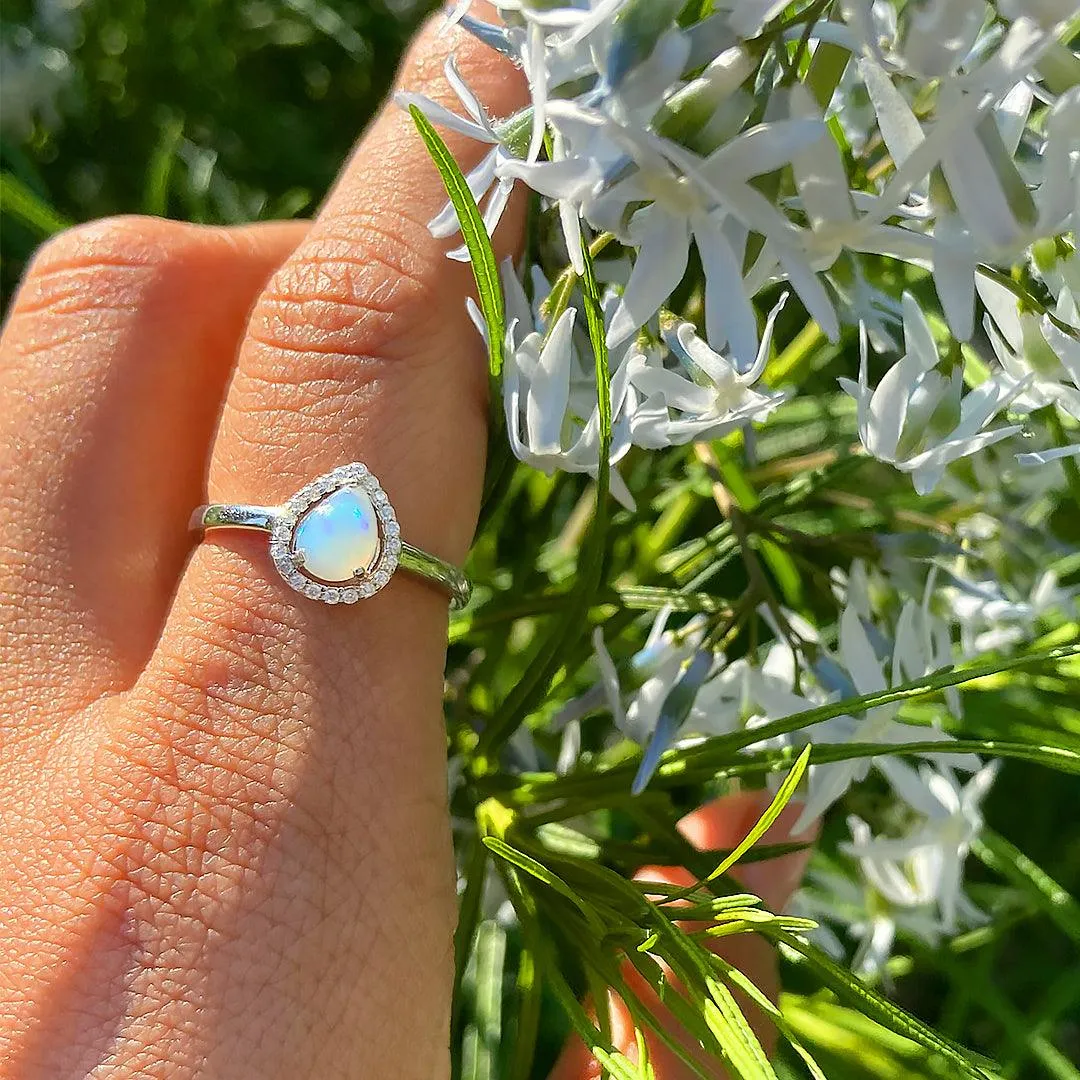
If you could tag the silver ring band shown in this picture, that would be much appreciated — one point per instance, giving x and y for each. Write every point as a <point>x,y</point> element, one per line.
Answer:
<point>337,539</point>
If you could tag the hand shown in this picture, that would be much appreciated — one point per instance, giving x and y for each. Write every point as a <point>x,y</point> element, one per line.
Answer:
<point>224,844</point>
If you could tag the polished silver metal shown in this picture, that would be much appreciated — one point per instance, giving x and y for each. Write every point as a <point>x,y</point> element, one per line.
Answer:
<point>280,522</point>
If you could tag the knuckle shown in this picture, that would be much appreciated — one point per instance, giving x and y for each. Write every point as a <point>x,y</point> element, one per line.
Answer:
<point>363,293</point>
<point>367,306</point>
<point>113,264</point>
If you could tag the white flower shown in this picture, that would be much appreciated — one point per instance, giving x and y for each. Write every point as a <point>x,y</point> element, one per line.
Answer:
<point>653,671</point>
<point>711,399</point>
<point>924,645</point>
<point>748,17</point>
<point>679,691</point>
<point>980,207</point>
<point>1030,347</point>
<point>918,419</point>
<point>937,35</point>
<point>935,850</point>
<point>990,618</point>
<point>869,916</point>
<point>857,669</point>
<point>666,676</point>
<point>550,400</point>
<point>610,169</point>
<point>1048,13</point>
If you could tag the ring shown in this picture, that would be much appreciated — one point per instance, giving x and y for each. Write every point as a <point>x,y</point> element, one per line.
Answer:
<point>337,539</point>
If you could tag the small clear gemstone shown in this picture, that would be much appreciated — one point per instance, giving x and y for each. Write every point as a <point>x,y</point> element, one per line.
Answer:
<point>367,588</point>
<point>338,536</point>
<point>379,497</point>
<point>350,596</point>
<point>381,578</point>
<point>393,528</point>
<point>312,590</point>
<point>386,512</point>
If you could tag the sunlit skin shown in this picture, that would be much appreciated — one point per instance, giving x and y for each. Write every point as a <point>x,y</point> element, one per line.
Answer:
<point>224,842</point>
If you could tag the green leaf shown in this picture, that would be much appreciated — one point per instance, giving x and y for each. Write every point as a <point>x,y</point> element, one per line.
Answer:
<point>840,1034</point>
<point>735,1034</point>
<point>783,796</point>
<point>574,621</point>
<point>620,1067</point>
<point>1018,1029</point>
<point>468,917</point>
<point>716,757</point>
<point>879,1008</point>
<point>528,1017</point>
<point>480,1049</point>
<point>542,873</point>
<point>769,1008</point>
<point>159,171</point>
<point>18,201</point>
<point>484,266</point>
<point>1009,861</point>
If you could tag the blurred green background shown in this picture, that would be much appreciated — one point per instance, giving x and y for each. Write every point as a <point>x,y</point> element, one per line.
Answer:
<point>208,110</point>
<point>233,110</point>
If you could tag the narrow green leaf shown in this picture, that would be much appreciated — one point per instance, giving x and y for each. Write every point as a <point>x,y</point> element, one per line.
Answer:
<point>715,757</point>
<point>783,796</point>
<point>542,873</point>
<point>574,622</point>
<point>1018,1030</point>
<point>769,1008</point>
<point>649,942</point>
<point>484,266</point>
<point>879,1008</point>
<point>159,171</point>
<point>480,1050</point>
<point>528,1017</point>
<point>620,1067</point>
<point>751,1053</point>
<point>1009,861</point>
<point>18,201</point>
<point>468,917</point>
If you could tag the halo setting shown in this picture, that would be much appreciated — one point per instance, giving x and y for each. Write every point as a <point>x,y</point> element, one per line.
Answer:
<point>337,539</point>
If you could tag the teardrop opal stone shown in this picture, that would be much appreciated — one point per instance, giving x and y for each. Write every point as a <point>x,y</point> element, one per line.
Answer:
<point>338,536</point>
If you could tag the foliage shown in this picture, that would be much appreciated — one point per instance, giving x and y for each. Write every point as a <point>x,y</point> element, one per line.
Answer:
<point>751,540</point>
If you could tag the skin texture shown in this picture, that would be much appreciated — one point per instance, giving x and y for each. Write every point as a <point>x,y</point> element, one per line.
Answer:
<point>224,844</point>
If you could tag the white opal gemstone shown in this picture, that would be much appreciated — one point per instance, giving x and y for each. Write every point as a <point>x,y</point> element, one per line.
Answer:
<point>338,536</point>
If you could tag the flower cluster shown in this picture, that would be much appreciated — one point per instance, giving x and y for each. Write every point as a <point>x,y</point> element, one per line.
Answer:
<point>895,182</point>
